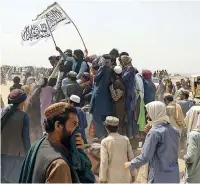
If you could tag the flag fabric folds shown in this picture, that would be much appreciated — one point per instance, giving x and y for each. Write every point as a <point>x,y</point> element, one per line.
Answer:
<point>55,16</point>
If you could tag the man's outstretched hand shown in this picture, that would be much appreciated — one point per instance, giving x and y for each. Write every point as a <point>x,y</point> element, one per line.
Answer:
<point>58,49</point>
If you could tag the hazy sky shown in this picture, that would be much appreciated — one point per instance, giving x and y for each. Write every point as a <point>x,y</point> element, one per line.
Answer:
<point>156,34</point>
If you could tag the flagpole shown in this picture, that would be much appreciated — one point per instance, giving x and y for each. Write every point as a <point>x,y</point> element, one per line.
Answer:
<point>78,33</point>
<point>51,33</point>
<point>76,28</point>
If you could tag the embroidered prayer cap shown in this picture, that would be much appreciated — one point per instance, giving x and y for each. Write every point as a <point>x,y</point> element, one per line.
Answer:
<point>72,74</point>
<point>118,69</point>
<point>75,98</point>
<point>112,121</point>
<point>55,109</point>
<point>16,96</point>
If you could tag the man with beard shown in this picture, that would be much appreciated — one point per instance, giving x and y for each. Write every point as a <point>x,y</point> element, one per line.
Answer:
<point>58,157</point>
<point>117,91</point>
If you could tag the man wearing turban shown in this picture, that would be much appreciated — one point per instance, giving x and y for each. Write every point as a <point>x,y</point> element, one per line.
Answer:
<point>15,141</point>
<point>128,78</point>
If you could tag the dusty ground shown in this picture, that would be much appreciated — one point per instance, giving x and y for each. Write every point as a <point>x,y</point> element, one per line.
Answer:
<point>4,91</point>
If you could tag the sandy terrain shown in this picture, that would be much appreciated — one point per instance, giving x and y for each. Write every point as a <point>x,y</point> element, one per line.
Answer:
<point>5,91</point>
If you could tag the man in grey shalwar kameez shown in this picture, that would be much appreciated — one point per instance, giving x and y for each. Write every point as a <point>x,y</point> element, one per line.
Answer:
<point>160,148</point>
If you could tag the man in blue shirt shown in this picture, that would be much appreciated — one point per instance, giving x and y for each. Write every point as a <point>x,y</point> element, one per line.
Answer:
<point>82,121</point>
<point>160,148</point>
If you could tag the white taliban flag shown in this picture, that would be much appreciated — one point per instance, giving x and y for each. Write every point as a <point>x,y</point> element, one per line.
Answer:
<point>55,16</point>
<point>35,32</point>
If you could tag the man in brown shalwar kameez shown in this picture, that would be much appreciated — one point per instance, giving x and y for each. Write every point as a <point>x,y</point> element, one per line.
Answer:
<point>117,92</point>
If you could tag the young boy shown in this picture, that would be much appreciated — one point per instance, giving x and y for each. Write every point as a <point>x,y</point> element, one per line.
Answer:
<point>115,149</point>
<point>82,121</point>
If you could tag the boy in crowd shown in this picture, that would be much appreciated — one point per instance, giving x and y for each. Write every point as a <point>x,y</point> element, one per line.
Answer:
<point>115,148</point>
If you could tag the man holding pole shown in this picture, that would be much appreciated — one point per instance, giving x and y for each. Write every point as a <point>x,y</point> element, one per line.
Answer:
<point>79,65</point>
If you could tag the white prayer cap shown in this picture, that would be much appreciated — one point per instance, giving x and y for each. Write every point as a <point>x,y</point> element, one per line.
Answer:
<point>118,69</point>
<point>75,98</point>
<point>112,121</point>
<point>72,74</point>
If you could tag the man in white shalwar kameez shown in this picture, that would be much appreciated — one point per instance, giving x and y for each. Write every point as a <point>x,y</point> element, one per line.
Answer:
<point>115,149</point>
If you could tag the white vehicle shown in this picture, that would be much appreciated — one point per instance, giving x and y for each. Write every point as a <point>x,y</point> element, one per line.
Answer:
<point>155,80</point>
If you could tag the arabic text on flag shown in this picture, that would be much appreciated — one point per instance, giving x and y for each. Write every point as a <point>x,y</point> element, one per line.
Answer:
<point>55,16</point>
<point>35,31</point>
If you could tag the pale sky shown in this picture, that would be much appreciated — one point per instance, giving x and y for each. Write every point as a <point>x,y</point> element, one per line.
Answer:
<point>156,34</point>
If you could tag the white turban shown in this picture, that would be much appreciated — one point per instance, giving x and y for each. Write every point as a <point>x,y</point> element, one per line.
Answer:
<point>118,69</point>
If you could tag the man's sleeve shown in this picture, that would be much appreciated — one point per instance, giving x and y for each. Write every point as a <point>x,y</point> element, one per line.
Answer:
<point>191,150</point>
<point>83,69</point>
<point>64,56</point>
<point>148,151</point>
<point>104,163</point>
<point>58,172</point>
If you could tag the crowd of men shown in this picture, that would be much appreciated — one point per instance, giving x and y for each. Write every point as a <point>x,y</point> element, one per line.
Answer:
<point>161,74</point>
<point>48,114</point>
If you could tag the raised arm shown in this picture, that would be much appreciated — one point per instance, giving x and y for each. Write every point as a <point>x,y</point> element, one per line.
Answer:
<point>65,57</point>
<point>147,151</point>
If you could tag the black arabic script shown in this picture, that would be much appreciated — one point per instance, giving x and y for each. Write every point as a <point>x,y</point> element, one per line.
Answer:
<point>54,16</point>
<point>35,32</point>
